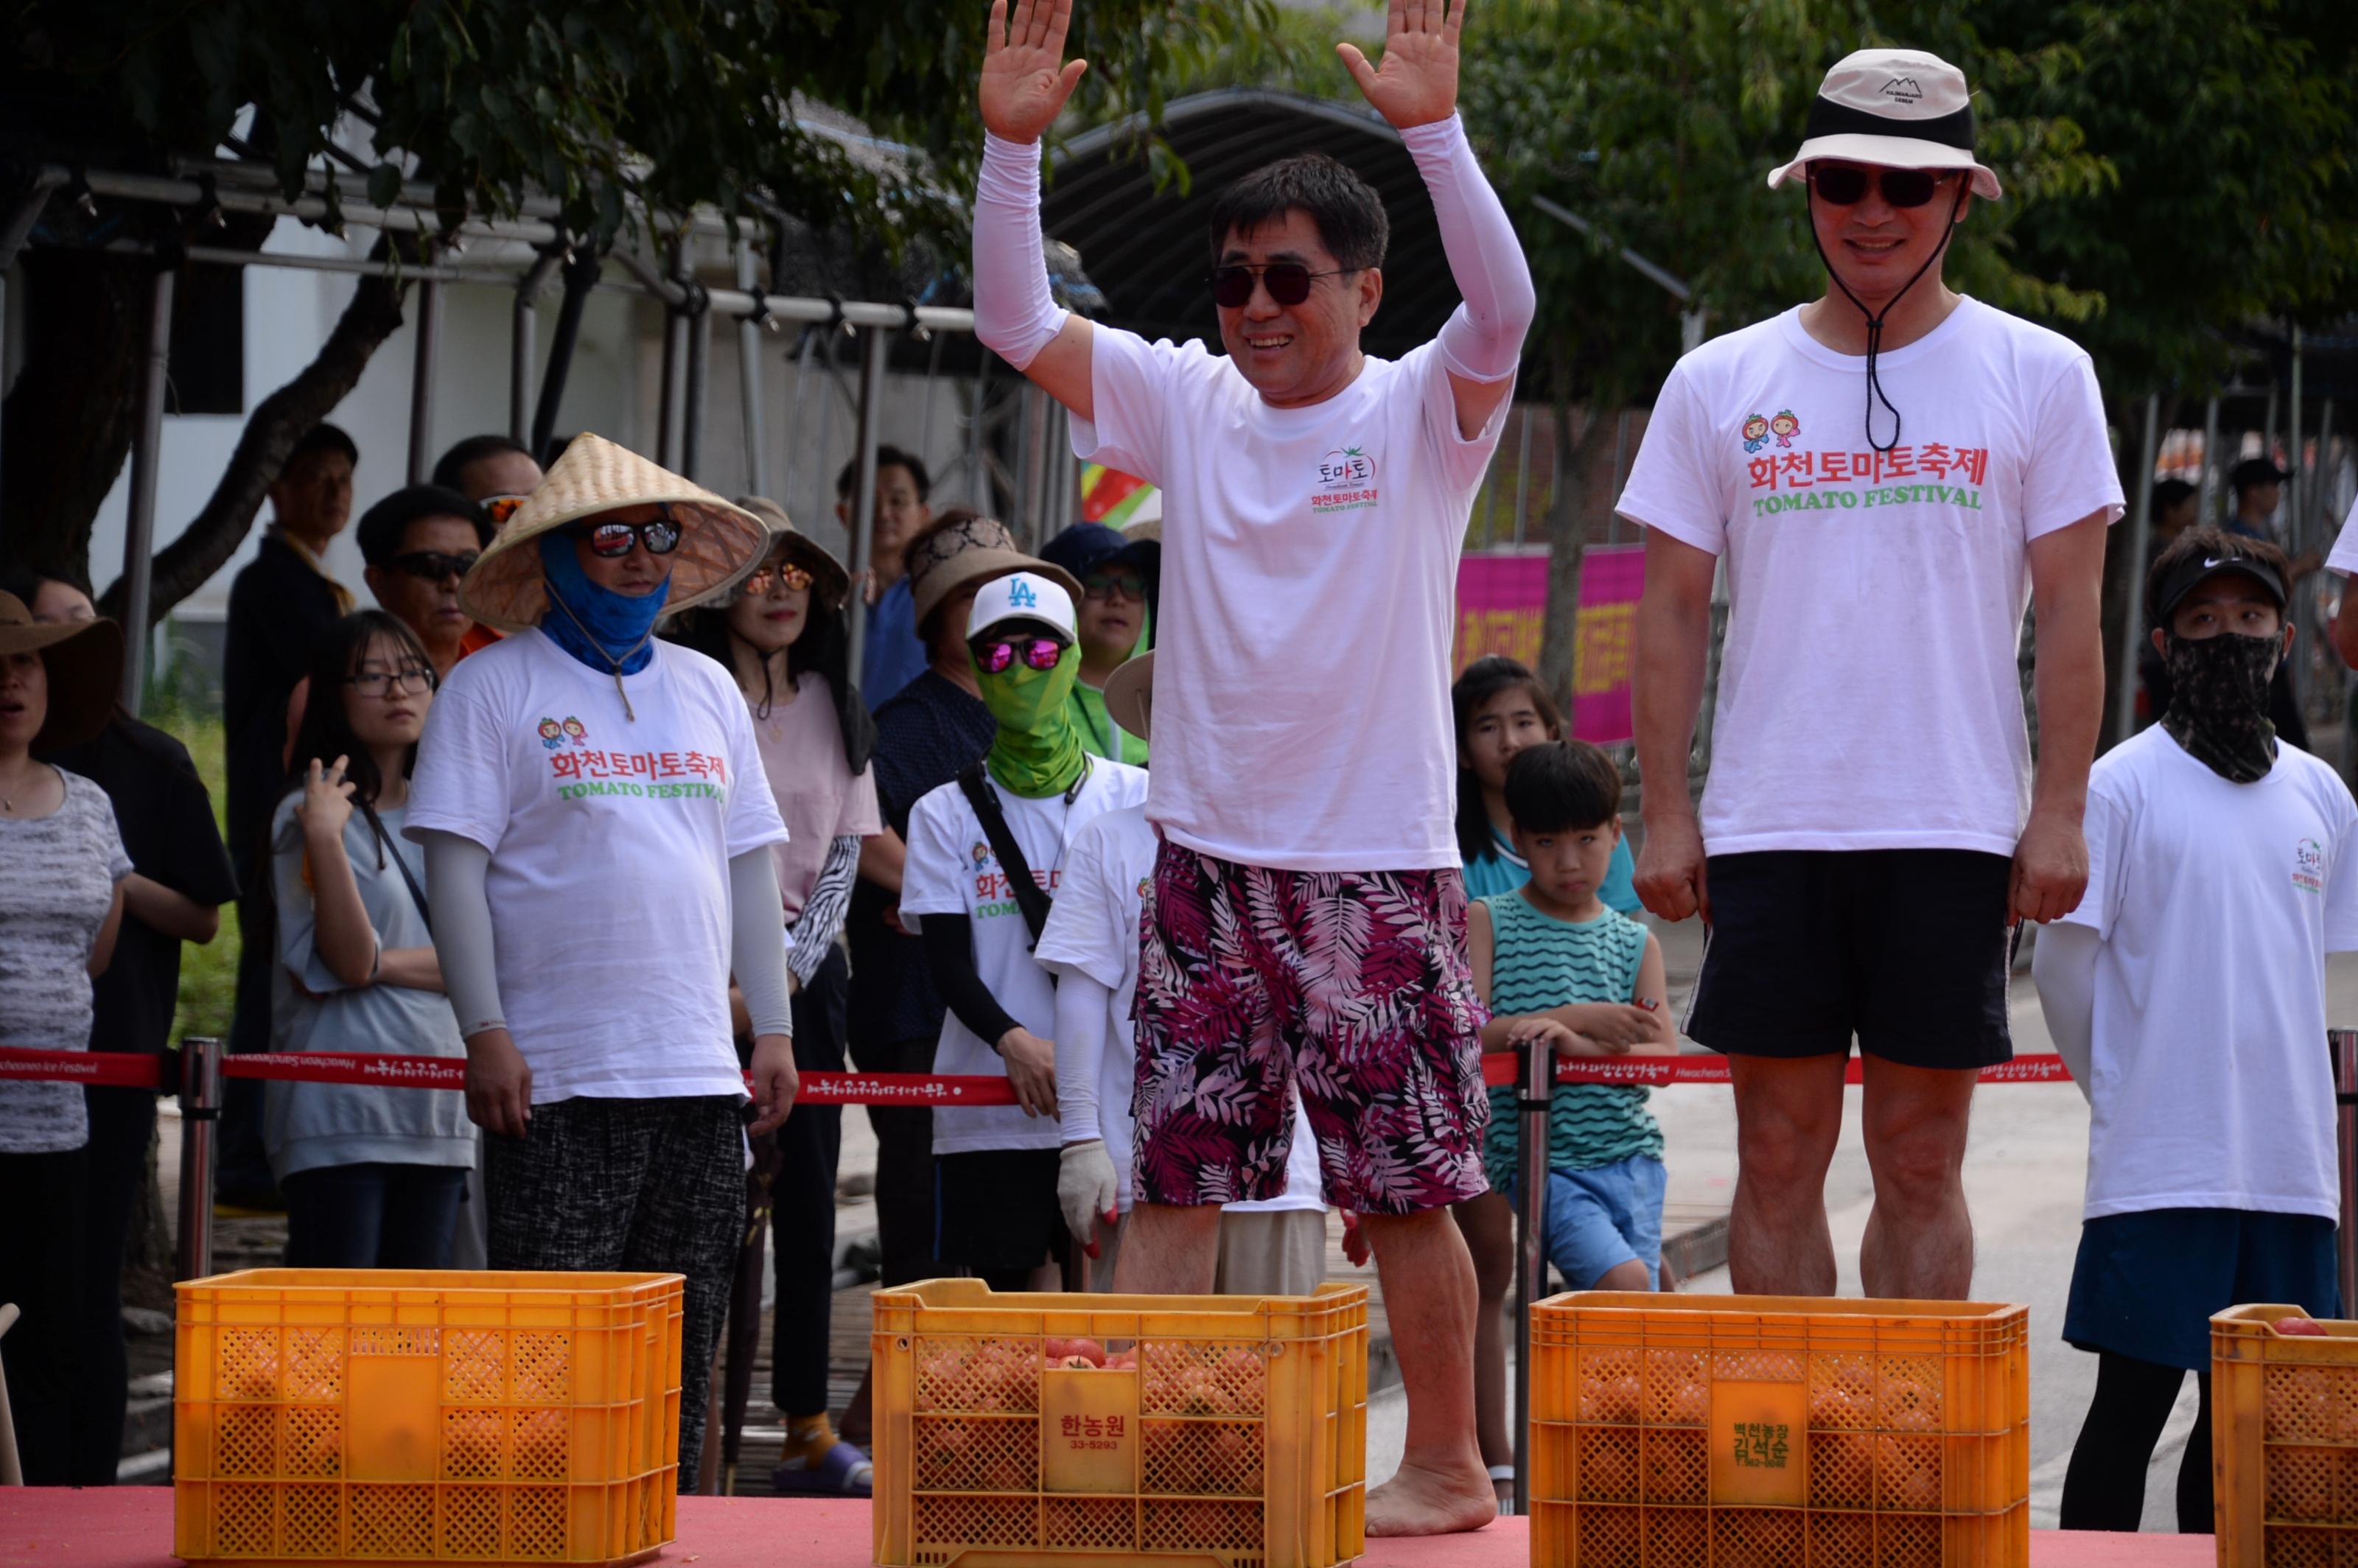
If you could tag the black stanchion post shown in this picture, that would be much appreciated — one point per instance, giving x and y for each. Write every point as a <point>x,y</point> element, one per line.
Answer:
<point>2342,1046</point>
<point>200,1098</point>
<point>1537,1082</point>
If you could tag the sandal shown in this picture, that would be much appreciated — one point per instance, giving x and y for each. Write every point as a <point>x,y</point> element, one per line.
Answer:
<point>842,1472</point>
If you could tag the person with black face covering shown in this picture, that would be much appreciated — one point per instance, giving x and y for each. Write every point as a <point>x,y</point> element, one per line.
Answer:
<point>2188,994</point>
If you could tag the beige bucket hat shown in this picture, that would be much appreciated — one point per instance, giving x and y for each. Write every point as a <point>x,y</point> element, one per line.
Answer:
<point>719,542</point>
<point>84,660</point>
<point>1898,108</point>
<point>829,579</point>
<point>1129,695</point>
<point>950,554</point>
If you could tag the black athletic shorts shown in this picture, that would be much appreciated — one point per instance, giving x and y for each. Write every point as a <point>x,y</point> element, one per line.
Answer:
<point>1906,949</point>
<point>996,1209</point>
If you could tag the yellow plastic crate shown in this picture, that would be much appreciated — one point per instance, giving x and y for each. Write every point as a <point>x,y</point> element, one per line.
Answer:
<point>387,1415</point>
<point>1676,1431</point>
<point>1239,1436</point>
<point>2283,1440</point>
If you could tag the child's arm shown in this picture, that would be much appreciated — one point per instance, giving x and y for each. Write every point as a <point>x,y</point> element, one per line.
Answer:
<point>2063,967</point>
<point>1653,996</point>
<point>1480,947</point>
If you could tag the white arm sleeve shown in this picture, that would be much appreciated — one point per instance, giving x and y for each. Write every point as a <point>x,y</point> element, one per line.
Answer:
<point>455,868</point>
<point>756,955</point>
<point>1014,314</point>
<point>2063,967</point>
<point>1483,339</point>
<point>1084,1009</point>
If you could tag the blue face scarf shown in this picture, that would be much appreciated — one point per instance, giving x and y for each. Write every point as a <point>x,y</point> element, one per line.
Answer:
<point>608,631</point>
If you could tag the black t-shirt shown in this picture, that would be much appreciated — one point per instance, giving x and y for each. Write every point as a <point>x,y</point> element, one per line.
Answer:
<point>166,821</point>
<point>278,608</point>
<point>926,737</point>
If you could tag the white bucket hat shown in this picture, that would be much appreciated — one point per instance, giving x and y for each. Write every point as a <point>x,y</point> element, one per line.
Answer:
<point>1896,108</point>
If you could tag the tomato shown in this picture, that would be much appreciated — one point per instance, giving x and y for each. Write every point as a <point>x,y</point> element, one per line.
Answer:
<point>2302,1326</point>
<point>1092,1349</point>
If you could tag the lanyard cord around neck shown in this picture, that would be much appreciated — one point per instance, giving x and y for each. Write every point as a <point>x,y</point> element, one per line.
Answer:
<point>559,600</point>
<point>1874,321</point>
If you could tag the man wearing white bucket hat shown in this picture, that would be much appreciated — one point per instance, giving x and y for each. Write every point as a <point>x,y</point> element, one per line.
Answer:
<point>598,831</point>
<point>1871,833</point>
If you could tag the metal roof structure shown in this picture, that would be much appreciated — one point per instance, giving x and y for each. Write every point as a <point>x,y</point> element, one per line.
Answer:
<point>1147,249</point>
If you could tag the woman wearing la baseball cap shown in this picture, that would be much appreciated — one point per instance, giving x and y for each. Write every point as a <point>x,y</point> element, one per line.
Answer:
<point>1034,789</point>
<point>1892,472</point>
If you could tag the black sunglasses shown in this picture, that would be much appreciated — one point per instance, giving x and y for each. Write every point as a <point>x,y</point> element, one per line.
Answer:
<point>1288,283</point>
<point>433,566</point>
<point>614,540</point>
<point>1846,184</point>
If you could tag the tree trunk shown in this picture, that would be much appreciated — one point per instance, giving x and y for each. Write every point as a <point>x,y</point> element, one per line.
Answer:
<point>1577,447</point>
<point>271,432</point>
<point>67,425</point>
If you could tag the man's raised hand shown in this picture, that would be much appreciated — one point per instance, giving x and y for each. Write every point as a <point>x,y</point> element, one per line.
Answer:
<point>1417,83</point>
<point>1025,77</point>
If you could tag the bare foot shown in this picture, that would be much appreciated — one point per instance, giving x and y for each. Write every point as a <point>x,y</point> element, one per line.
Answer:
<point>1417,1501</point>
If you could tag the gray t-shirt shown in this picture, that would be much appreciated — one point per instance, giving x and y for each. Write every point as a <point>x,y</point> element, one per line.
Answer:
<point>306,1126</point>
<point>57,881</point>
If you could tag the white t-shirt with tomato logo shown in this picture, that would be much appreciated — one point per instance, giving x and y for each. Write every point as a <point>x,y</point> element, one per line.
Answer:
<point>1868,692</point>
<point>1309,602</point>
<point>611,839</point>
<point>952,869</point>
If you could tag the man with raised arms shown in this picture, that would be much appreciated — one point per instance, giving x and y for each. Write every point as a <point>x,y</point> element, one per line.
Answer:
<point>1307,941</point>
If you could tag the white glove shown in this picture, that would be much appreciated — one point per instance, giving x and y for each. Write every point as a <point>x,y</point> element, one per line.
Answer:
<point>1087,1190</point>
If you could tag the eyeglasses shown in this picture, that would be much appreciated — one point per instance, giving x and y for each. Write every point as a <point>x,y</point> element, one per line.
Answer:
<point>377,683</point>
<point>1288,283</point>
<point>499,508</point>
<point>433,566</point>
<point>1099,587</point>
<point>614,540</point>
<point>762,579</point>
<point>1846,184</point>
<point>998,655</point>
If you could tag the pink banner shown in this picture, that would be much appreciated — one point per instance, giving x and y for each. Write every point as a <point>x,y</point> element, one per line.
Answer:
<point>1502,608</point>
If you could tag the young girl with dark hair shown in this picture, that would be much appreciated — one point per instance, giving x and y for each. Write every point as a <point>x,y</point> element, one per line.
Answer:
<point>372,1174</point>
<point>783,633</point>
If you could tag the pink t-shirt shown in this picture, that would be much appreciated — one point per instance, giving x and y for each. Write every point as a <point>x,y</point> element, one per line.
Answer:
<point>801,744</point>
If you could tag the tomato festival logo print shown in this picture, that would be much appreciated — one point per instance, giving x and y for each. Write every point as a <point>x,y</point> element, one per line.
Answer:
<point>582,772</point>
<point>2309,866</point>
<point>1785,426</point>
<point>1756,433</point>
<point>1346,481</point>
<point>554,734</point>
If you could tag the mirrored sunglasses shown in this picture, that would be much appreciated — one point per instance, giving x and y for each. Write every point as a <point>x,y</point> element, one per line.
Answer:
<point>762,579</point>
<point>1846,184</point>
<point>499,508</point>
<point>614,540</point>
<point>1288,283</point>
<point>996,655</point>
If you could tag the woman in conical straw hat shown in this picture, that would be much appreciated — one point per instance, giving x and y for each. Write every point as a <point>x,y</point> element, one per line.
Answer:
<point>598,836</point>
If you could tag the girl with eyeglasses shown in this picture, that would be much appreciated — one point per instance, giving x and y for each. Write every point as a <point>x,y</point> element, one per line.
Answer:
<point>371,1173</point>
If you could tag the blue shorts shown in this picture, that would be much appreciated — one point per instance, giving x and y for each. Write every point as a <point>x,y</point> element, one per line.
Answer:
<point>2145,1285</point>
<point>1597,1220</point>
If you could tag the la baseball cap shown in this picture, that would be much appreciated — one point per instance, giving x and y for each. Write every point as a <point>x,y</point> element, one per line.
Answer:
<point>1022,596</point>
<point>2202,566</point>
<point>1897,108</point>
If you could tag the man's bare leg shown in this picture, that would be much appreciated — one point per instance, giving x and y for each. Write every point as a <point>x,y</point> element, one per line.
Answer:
<point>1788,1115</point>
<point>1428,1280</point>
<point>1168,1250</point>
<point>1487,1224</point>
<point>1919,1239</point>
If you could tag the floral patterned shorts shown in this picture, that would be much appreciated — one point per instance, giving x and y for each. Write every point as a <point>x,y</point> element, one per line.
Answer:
<point>1350,989</point>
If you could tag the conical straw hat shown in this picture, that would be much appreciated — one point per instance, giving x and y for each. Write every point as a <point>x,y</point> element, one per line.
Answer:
<point>718,543</point>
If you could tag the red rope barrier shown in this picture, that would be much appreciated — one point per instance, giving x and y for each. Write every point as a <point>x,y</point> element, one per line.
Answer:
<point>111,1070</point>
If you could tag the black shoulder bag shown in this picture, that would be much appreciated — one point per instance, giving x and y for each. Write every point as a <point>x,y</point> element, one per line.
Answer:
<point>1030,897</point>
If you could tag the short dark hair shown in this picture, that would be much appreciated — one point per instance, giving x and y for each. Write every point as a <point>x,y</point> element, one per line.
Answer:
<point>466,454</point>
<point>886,458</point>
<point>2205,540</point>
<point>322,437</point>
<point>2254,471</point>
<point>2170,492</point>
<point>1347,210</point>
<point>383,525</point>
<point>1562,787</point>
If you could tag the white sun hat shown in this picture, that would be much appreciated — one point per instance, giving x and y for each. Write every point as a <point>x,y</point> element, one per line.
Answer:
<point>1897,108</point>
<point>1025,596</point>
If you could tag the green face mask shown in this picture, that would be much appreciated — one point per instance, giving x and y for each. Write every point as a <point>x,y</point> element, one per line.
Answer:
<point>1037,752</point>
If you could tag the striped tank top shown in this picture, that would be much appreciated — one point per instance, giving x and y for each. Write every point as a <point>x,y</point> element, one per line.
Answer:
<point>1539,962</point>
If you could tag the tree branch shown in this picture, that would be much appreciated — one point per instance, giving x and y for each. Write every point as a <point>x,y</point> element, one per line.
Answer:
<point>213,535</point>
